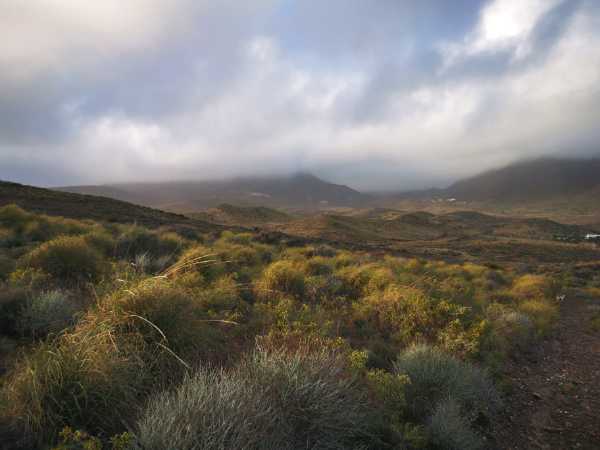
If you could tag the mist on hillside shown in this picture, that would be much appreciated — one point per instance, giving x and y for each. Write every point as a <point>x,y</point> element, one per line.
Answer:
<point>391,96</point>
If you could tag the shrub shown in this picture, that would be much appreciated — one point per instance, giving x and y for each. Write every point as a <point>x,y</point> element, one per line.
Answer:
<point>448,429</point>
<point>7,265</point>
<point>400,315</point>
<point>354,280</point>
<point>79,380</point>
<point>318,265</point>
<point>68,259</point>
<point>137,240</point>
<point>531,286</point>
<point>163,312</point>
<point>543,314</point>
<point>101,241</point>
<point>269,401</point>
<point>511,328</point>
<point>436,377</point>
<point>199,260</point>
<point>236,238</point>
<point>14,217</point>
<point>48,312</point>
<point>12,301</point>
<point>282,277</point>
<point>112,358</point>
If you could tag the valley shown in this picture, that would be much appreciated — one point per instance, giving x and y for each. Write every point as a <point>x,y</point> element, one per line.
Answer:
<point>377,287</point>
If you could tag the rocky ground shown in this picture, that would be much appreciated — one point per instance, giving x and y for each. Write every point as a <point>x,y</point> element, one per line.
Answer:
<point>554,400</point>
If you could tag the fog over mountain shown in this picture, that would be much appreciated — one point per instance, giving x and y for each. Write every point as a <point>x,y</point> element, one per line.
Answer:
<point>374,95</point>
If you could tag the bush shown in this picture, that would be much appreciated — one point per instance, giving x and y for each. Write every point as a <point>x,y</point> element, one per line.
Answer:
<point>449,430</point>
<point>531,286</point>
<point>113,357</point>
<point>199,260</point>
<point>400,315</point>
<point>7,265</point>
<point>68,259</point>
<point>543,314</point>
<point>101,241</point>
<point>14,217</point>
<point>138,240</point>
<point>318,266</point>
<point>282,277</point>
<point>48,312</point>
<point>12,301</point>
<point>511,328</point>
<point>162,311</point>
<point>436,377</point>
<point>79,380</point>
<point>269,401</point>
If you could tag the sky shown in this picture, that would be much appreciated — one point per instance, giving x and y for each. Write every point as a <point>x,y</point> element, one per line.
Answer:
<point>378,95</point>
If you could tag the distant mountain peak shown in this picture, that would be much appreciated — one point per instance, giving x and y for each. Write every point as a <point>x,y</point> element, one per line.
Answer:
<point>297,190</point>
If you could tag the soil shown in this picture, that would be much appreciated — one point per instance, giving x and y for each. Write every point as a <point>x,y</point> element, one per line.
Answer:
<point>554,398</point>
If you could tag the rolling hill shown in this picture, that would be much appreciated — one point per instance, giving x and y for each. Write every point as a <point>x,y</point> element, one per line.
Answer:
<point>79,206</point>
<point>302,191</point>
<point>227,214</point>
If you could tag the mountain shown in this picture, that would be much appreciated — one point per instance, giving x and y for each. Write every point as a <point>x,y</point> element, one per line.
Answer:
<point>301,190</point>
<point>78,206</point>
<point>531,181</point>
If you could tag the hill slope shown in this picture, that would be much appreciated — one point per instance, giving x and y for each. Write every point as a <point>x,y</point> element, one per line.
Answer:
<point>297,191</point>
<point>77,206</point>
<point>536,180</point>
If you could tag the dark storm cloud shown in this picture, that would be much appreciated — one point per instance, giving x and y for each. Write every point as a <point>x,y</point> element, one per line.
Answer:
<point>375,94</point>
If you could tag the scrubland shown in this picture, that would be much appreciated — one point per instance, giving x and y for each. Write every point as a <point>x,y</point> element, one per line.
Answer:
<point>118,336</point>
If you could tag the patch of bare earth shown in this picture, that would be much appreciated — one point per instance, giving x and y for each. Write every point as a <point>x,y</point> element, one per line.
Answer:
<point>554,402</point>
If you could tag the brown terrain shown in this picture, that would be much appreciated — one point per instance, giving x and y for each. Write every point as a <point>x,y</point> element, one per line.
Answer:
<point>554,401</point>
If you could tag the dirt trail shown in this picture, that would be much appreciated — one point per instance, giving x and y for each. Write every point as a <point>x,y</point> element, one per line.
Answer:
<point>555,398</point>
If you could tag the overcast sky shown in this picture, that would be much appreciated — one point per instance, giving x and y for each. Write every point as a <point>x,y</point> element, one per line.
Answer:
<point>376,94</point>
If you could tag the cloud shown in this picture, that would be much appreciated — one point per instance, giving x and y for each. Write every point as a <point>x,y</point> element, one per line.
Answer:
<point>392,95</point>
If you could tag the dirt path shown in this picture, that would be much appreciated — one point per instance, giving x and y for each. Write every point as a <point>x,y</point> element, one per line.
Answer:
<point>555,398</point>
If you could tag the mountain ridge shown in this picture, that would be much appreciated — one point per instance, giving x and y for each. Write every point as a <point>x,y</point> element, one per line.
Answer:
<point>301,190</point>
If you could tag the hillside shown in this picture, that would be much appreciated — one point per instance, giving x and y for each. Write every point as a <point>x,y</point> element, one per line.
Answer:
<point>78,206</point>
<point>390,225</point>
<point>302,191</point>
<point>536,180</point>
<point>227,214</point>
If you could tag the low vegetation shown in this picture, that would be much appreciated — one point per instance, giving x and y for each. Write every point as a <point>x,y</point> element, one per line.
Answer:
<point>124,336</point>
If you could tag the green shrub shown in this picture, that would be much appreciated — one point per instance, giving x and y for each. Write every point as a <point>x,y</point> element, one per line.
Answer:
<point>101,241</point>
<point>80,380</point>
<point>448,429</point>
<point>235,238</point>
<point>270,401</point>
<point>318,266</point>
<point>436,376</point>
<point>542,312</point>
<point>28,277</point>
<point>282,277</point>
<point>14,217</point>
<point>137,240</point>
<point>511,329</point>
<point>47,312</point>
<point>202,261</point>
<point>162,310</point>
<point>68,259</point>
<point>80,440</point>
<point>354,280</point>
<point>109,361</point>
<point>400,315</point>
